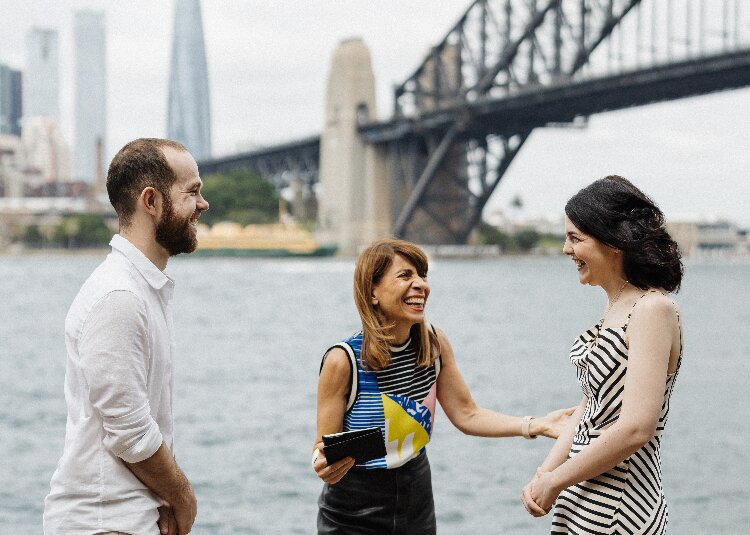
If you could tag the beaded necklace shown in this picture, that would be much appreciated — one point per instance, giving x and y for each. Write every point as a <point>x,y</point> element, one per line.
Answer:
<point>601,321</point>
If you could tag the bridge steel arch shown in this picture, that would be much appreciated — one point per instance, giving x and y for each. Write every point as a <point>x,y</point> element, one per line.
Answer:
<point>509,66</point>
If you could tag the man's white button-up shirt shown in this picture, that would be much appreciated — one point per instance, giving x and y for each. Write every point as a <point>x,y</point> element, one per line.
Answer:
<point>118,390</point>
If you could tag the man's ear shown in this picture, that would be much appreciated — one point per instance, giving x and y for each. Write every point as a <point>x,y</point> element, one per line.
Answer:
<point>150,200</point>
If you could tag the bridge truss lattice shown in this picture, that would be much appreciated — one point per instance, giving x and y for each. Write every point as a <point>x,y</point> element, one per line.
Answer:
<point>509,66</point>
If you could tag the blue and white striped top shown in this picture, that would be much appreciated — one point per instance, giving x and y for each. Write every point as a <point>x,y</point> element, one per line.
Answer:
<point>399,399</point>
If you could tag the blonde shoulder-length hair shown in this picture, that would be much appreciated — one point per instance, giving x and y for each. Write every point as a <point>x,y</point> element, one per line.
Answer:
<point>372,264</point>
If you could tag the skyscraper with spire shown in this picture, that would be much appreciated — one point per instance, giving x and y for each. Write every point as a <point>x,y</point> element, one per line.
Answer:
<point>188,109</point>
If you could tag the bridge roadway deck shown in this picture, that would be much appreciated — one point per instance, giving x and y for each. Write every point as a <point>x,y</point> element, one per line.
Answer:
<point>531,108</point>
<point>564,102</point>
<point>272,156</point>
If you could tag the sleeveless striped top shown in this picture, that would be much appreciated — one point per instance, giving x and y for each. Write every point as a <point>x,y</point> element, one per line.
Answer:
<point>399,399</point>
<point>629,497</point>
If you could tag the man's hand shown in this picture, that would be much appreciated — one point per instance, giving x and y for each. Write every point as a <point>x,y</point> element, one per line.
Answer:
<point>178,522</point>
<point>161,474</point>
<point>167,522</point>
<point>185,512</point>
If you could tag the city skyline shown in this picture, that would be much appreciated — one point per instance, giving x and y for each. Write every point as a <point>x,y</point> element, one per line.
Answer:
<point>268,65</point>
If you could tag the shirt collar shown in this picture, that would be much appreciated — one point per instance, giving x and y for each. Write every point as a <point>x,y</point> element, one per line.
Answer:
<point>155,277</point>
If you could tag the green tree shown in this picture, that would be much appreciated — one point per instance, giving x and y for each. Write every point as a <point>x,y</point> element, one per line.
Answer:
<point>491,235</point>
<point>240,196</point>
<point>82,230</point>
<point>33,237</point>
<point>527,239</point>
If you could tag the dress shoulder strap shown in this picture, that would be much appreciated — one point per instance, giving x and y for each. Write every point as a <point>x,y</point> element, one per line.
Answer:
<point>679,327</point>
<point>632,309</point>
<point>353,370</point>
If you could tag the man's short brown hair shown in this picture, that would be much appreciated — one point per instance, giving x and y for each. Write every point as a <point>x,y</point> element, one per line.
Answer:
<point>139,164</point>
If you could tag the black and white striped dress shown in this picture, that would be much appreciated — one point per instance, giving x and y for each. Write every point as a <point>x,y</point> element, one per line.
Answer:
<point>627,499</point>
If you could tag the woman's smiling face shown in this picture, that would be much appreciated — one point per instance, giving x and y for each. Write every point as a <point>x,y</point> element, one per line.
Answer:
<point>596,262</point>
<point>401,294</point>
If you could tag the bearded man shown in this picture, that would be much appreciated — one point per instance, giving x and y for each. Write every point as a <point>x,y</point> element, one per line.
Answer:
<point>117,473</point>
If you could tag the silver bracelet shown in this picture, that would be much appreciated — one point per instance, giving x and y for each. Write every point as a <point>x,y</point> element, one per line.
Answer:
<point>525,424</point>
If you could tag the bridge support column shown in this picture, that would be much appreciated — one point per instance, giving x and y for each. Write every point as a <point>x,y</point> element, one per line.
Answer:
<point>353,201</point>
<point>304,203</point>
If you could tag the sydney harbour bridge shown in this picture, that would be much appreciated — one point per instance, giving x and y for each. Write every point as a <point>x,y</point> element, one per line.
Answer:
<point>505,68</point>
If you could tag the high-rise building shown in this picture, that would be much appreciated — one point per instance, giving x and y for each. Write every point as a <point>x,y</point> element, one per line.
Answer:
<point>47,154</point>
<point>90,92</point>
<point>188,109</point>
<point>41,81</point>
<point>11,104</point>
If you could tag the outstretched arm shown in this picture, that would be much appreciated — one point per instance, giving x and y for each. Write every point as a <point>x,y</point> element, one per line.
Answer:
<point>463,412</point>
<point>651,333</point>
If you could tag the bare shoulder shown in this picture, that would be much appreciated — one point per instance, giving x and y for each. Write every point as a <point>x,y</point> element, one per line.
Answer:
<point>445,344</point>
<point>335,374</point>
<point>657,303</point>
<point>336,361</point>
<point>446,350</point>
<point>656,307</point>
<point>442,337</point>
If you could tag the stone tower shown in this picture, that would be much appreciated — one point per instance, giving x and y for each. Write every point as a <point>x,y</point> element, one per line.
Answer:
<point>354,200</point>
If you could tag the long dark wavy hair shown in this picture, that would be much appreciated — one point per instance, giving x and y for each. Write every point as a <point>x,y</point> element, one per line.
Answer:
<point>618,214</point>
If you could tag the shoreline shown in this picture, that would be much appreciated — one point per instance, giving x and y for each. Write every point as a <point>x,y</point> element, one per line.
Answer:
<point>433,252</point>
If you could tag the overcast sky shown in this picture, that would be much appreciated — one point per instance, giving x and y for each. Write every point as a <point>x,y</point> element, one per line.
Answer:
<point>268,62</point>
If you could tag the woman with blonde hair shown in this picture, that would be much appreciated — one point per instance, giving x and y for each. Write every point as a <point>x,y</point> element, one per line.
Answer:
<point>603,474</point>
<point>389,376</point>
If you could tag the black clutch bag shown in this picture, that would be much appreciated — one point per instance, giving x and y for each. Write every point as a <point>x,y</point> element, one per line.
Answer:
<point>362,444</point>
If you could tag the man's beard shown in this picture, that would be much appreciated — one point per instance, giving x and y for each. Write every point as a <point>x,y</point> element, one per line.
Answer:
<point>174,234</point>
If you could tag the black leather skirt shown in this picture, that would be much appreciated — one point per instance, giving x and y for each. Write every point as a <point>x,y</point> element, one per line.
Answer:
<point>380,502</point>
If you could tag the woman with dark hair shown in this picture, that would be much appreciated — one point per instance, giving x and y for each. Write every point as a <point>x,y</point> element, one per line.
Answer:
<point>603,474</point>
<point>389,376</point>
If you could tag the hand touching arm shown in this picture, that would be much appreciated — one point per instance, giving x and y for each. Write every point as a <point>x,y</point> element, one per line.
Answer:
<point>471,419</point>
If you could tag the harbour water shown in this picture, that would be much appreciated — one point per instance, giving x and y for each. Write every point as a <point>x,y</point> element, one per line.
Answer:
<point>250,336</point>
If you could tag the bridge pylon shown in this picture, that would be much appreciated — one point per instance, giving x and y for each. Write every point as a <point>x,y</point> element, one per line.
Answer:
<point>354,199</point>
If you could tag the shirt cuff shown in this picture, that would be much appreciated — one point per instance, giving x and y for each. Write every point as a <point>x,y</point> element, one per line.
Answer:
<point>133,437</point>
